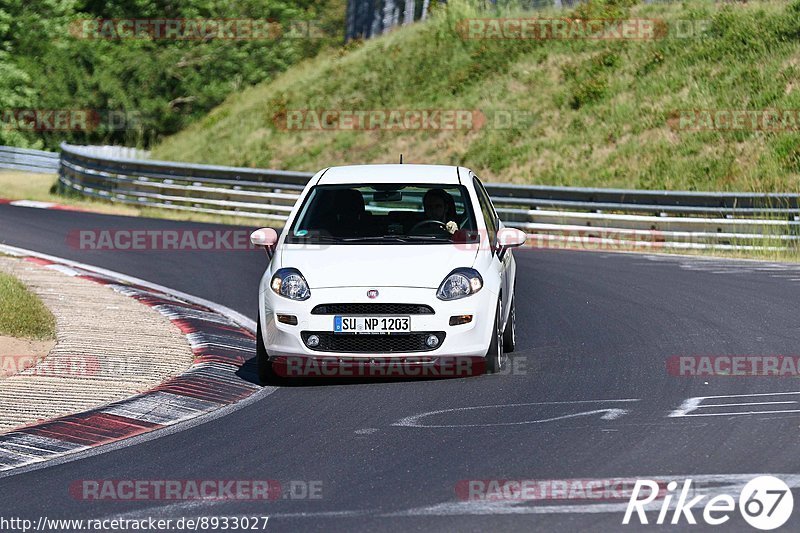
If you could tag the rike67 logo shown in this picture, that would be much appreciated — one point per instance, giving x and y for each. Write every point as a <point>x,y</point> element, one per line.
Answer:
<point>765,503</point>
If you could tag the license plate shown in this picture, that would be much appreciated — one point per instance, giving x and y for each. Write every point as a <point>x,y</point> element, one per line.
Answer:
<point>371,324</point>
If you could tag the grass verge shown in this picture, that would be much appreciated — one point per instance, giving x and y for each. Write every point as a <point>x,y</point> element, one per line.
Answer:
<point>23,314</point>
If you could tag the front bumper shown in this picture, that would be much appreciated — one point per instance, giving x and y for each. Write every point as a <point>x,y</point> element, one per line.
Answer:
<point>465,340</point>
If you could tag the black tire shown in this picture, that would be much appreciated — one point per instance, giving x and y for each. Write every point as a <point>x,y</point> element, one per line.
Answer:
<point>510,331</point>
<point>495,357</point>
<point>265,373</point>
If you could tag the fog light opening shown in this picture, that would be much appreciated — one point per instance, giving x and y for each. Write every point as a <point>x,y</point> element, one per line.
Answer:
<point>432,341</point>
<point>312,341</point>
<point>457,320</point>
<point>288,319</point>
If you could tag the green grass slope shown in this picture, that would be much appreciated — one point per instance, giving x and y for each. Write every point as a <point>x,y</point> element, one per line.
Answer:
<point>599,112</point>
<point>24,314</point>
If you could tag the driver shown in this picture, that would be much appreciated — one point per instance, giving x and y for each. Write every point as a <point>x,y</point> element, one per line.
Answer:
<point>439,205</point>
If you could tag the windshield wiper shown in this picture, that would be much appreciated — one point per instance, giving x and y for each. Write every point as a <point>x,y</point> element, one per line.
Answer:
<point>314,238</point>
<point>375,238</point>
<point>398,238</point>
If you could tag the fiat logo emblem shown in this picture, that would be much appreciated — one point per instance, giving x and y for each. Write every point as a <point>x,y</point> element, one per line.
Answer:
<point>372,293</point>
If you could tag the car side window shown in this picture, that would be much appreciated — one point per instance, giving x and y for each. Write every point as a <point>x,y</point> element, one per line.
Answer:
<point>489,216</point>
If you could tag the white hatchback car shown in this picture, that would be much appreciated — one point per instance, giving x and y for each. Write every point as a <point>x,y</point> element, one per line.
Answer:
<point>389,261</point>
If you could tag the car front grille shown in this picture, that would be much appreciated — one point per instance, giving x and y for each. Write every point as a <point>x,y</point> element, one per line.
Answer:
<point>368,343</point>
<point>372,309</point>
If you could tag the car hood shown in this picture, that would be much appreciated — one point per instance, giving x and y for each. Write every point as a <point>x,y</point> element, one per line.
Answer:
<point>352,265</point>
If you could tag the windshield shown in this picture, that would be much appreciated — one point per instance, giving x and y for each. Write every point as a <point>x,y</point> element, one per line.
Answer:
<point>388,213</point>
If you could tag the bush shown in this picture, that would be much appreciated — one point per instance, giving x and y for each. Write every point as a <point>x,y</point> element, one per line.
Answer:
<point>155,88</point>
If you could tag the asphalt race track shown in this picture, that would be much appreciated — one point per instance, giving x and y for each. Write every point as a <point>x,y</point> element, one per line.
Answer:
<point>589,397</point>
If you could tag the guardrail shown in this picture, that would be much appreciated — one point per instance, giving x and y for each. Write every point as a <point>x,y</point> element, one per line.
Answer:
<point>553,216</point>
<point>243,192</point>
<point>28,160</point>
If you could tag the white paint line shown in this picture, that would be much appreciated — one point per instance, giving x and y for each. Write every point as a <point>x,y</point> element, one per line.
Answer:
<point>738,413</point>
<point>612,414</point>
<point>738,404</point>
<point>608,414</point>
<point>322,514</point>
<point>495,508</point>
<point>685,260</point>
<point>792,393</point>
<point>32,203</point>
<point>692,404</point>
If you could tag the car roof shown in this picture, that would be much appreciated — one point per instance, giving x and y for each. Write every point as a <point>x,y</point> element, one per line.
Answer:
<point>395,173</point>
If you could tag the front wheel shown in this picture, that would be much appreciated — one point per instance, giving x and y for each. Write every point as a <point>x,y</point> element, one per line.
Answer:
<point>265,373</point>
<point>510,331</point>
<point>495,357</point>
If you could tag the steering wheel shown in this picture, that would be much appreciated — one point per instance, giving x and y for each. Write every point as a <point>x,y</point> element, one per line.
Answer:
<point>429,222</point>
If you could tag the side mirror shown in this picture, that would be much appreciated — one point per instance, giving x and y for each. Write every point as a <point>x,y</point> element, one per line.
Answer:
<point>266,237</point>
<point>510,238</point>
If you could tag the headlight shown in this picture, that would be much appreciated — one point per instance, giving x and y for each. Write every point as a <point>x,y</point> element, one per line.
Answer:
<point>290,283</point>
<point>459,283</point>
